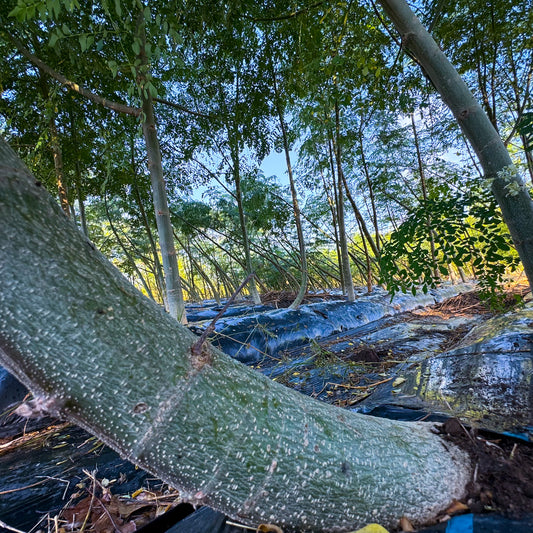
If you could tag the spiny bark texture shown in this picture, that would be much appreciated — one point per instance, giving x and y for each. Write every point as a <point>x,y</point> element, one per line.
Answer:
<point>509,189</point>
<point>99,353</point>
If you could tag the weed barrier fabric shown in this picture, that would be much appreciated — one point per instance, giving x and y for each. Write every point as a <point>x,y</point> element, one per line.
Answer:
<point>198,314</point>
<point>56,464</point>
<point>11,390</point>
<point>254,339</point>
<point>487,382</point>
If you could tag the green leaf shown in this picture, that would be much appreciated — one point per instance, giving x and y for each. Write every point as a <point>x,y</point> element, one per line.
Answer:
<point>136,47</point>
<point>113,67</point>
<point>83,42</point>
<point>17,13</point>
<point>151,89</point>
<point>53,40</point>
<point>443,270</point>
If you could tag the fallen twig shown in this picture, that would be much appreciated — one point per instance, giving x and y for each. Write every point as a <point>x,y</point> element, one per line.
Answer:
<point>196,348</point>
<point>9,528</point>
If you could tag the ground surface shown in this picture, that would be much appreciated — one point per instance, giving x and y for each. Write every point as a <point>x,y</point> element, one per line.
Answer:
<point>343,370</point>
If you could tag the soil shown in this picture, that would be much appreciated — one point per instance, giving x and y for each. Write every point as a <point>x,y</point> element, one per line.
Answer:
<point>503,470</point>
<point>472,302</point>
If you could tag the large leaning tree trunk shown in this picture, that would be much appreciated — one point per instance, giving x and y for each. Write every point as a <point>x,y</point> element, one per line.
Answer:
<point>507,186</point>
<point>97,352</point>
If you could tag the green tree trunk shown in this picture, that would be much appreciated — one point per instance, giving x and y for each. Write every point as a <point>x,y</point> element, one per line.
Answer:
<point>174,292</point>
<point>96,351</point>
<point>508,188</point>
<point>294,195</point>
<point>252,287</point>
<point>343,241</point>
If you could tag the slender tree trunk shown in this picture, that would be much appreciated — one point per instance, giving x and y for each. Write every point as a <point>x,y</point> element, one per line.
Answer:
<point>508,187</point>
<point>222,434</point>
<point>125,250</point>
<point>200,270</point>
<point>360,219</point>
<point>55,145</point>
<point>57,153</point>
<point>174,293</point>
<point>158,271</point>
<point>429,225</point>
<point>368,276</point>
<point>370,186</point>
<point>77,173</point>
<point>295,207</point>
<point>176,304</point>
<point>343,242</point>
<point>81,201</point>
<point>242,219</point>
<point>332,204</point>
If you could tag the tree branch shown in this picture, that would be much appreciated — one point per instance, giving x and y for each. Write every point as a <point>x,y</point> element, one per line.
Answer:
<point>183,108</point>
<point>287,16</point>
<point>73,86</point>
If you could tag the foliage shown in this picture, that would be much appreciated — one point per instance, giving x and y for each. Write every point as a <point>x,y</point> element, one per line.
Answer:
<point>212,65</point>
<point>468,230</point>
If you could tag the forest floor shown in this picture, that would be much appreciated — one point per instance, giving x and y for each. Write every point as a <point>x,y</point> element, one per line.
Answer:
<point>97,503</point>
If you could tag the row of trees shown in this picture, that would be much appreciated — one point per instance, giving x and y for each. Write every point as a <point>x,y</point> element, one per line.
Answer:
<point>380,183</point>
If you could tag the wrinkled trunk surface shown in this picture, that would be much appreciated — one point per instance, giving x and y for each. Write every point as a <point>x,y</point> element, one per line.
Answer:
<point>96,351</point>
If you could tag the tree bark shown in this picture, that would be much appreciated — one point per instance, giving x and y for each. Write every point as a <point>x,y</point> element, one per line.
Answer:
<point>343,243</point>
<point>221,433</point>
<point>252,287</point>
<point>77,173</point>
<point>295,205</point>
<point>508,188</point>
<point>174,292</point>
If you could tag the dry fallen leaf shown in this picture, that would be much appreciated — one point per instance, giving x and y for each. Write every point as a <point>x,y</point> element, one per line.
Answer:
<point>456,507</point>
<point>75,516</point>
<point>406,525</point>
<point>130,527</point>
<point>269,528</point>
